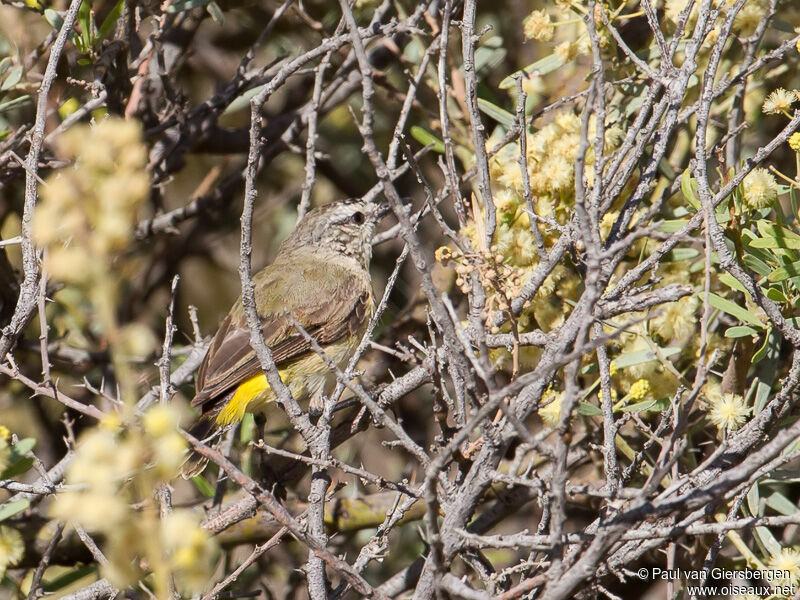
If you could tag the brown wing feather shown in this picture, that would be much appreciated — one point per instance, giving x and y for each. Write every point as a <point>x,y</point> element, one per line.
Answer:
<point>231,360</point>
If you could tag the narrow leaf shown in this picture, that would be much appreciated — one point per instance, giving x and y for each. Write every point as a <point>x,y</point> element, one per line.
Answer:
<point>426,138</point>
<point>734,310</point>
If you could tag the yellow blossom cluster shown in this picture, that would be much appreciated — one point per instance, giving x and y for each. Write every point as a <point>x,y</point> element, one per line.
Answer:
<point>538,26</point>
<point>787,563</point>
<point>551,154</point>
<point>87,213</point>
<point>12,548</point>
<point>759,189</point>
<point>647,377</point>
<point>745,23</point>
<point>5,448</point>
<point>677,320</point>
<point>550,412</point>
<point>727,411</point>
<point>119,465</point>
<point>639,390</point>
<point>779,101</point>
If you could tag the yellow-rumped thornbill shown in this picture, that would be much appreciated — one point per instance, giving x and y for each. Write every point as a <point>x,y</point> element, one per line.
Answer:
<point>320,277</point>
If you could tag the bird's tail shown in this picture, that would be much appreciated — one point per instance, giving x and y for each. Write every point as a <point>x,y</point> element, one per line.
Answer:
<point>195,463</point>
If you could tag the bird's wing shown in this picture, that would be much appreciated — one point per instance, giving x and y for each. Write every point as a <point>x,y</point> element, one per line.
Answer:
<point>329,302</point>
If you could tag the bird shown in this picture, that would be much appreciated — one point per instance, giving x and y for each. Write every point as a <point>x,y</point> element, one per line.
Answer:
<point>320,277</point>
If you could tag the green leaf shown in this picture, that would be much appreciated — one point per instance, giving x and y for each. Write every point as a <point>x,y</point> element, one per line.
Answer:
<point>756,264</point>
<point>768,540</point>
<point>673,225</point>
<point>12,104</point>
<point>782,25</point>
<point>54,18</point>
<point>505,118</point>
<point>18,461</point>
<point>85,19</point>
<point>688,187</point>
<point>247,431</point>
<point>734,310</point>
<point>765,374</point>
<point>426,138</point>
<point>243,100</point>
<point>784,272</point>
<point>638,357</point>
<point>17,468</point>
<point>775,236</point>
<point>740,331</point>
<point>762,352</point>
<point>490,53</point>
<point>781,504</point>
<point>657,405</point>
<point>666,169</point>
<point>107,26</point>
<point>542,66</point>
<point>23,446</point>
<point>9,509</point>
<point>733,283</point>
<point>776,295</point>
<point>12,79</point>
<point>754,501</point>
<point>678,254</point>
<point>203,486</point>
<point>588,410</point>
<point>63,580</point>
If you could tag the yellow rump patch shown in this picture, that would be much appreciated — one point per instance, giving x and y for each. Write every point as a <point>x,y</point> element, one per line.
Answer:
<point>250,390</point>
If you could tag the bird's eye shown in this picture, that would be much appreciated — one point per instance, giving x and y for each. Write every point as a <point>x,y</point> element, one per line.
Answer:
<point>357,218</point>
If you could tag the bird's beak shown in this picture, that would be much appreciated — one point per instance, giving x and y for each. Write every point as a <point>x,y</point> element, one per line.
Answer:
<point>381,210</point>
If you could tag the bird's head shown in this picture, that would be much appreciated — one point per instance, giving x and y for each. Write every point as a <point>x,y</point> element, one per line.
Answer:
<point>345,226</point>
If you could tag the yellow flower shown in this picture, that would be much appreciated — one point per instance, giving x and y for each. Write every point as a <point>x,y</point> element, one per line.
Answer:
<point>160,420</point>
<point>778,101</point>
<point>111,422</point>
<point>190,546</point>
<point>728,412</point>
<point>103,510</point>
<point>5,433</point>
<point>794,141</point>
<point>787,561</point>
<point>678,319</point>
<point>749,17</point>
<point>639,389</point>
<point>673,9</point>
<point>12,547</point>
<point>551,412</point>
<point>102,460</point>
<point>443,255</point>
<point>760,189</point>
<point>614,395</point>
<point>566,51</point>
<point>137,341</point>
<point>538,26</point>
<point>5,455</point>
<point>169,451</point>
<point>506,201</point>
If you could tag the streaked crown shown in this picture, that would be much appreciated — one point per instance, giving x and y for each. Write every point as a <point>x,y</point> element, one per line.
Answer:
<point>345,227</point>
